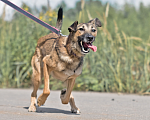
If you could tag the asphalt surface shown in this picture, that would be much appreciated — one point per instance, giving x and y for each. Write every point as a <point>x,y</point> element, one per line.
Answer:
<point>14,105</point>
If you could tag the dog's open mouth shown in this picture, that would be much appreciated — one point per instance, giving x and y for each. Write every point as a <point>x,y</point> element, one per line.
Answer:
<point>86,46</point>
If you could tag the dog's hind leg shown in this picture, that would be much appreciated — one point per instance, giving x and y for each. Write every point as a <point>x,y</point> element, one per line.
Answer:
<point>46,91</point>
<point>36,80</point>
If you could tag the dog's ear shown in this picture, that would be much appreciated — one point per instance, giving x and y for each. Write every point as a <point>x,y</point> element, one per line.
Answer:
<point>96,21</point>
<point>73,27</point>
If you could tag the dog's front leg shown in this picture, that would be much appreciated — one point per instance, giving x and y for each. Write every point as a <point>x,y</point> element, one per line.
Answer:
<point>74,109</point>
<point>46,91</point>
<point>65,94</point>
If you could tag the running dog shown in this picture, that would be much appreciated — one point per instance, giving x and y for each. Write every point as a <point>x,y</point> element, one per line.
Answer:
<point>62,57</point>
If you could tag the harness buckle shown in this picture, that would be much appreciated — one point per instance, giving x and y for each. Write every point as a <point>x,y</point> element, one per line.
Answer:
<point>62,34</point>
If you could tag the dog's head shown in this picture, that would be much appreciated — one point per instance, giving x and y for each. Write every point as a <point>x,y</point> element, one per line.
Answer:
<point>83,35</point>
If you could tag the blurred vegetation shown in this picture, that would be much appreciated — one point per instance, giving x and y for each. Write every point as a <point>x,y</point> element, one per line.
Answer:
<point>121,63</point>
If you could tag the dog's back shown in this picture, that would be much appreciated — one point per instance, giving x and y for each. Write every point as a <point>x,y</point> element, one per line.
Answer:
<point>43,39</point>
<point>46,43</point>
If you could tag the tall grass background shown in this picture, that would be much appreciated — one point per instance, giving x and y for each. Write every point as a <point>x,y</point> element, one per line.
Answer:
<point>121,63</point>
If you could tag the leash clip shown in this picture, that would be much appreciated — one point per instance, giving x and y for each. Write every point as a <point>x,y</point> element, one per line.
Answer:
<point>62,34</point>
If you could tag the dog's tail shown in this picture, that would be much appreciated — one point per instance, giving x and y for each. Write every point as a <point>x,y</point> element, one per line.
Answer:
<point>59,18</point>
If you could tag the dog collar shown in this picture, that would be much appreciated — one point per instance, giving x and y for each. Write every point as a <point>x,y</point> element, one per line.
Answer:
<point>73,54</point>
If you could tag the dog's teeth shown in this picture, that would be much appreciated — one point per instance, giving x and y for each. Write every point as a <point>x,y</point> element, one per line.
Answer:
<point>86,51</point>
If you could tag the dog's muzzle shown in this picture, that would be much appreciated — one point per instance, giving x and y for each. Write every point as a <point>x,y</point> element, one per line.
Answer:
<point>85,42</point>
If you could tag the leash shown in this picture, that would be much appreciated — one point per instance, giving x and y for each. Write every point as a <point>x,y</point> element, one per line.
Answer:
<point>29,15</point>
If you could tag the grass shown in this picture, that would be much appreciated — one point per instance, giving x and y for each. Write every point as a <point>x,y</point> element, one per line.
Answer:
<point>121,63</point>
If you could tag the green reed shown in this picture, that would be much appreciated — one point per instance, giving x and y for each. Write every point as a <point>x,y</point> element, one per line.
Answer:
<point>121,63</point>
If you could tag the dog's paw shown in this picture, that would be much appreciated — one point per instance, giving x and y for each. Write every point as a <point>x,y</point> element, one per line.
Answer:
<point>63,91</point>
<point>41,100</point>
<point>77,111</point>
<point>63,98</point>
<point>32,108</point>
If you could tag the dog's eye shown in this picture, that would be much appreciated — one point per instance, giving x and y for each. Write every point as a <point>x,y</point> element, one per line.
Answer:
<point>81,29</point>
<point>93,30</point>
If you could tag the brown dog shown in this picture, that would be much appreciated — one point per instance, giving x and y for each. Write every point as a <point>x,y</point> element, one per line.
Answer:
<point>62,57</point>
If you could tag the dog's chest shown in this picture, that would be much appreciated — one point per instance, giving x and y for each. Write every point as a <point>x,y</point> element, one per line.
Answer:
<point>73,69</point>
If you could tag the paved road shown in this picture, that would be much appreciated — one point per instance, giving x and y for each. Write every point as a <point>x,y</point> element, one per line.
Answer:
<point>94,106</point>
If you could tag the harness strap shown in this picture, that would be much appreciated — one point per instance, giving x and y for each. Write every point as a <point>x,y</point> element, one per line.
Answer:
<point>29,15</point>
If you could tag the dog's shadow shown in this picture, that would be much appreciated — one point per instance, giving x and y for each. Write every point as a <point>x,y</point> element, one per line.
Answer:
<point>52,110</point>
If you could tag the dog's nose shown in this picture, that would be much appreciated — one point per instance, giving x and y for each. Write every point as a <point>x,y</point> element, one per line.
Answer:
<point>90,38</point>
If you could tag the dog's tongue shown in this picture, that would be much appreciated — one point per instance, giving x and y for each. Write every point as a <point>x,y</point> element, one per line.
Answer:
<point>92,47</point>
